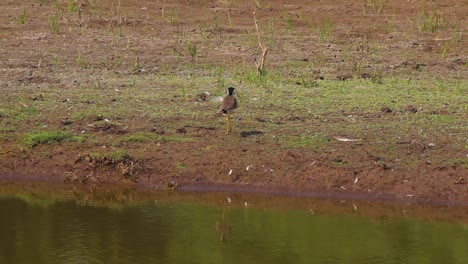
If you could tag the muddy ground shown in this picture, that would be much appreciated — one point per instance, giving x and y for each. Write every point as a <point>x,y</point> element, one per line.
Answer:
<point>65,48</point>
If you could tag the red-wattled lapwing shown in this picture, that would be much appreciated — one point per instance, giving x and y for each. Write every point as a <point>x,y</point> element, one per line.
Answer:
<point>229,104</point>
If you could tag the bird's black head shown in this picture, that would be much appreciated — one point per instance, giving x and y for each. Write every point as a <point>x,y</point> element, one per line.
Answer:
<point>231,90</point>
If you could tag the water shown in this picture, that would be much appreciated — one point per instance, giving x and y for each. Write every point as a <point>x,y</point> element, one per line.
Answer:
<point>179,228</point>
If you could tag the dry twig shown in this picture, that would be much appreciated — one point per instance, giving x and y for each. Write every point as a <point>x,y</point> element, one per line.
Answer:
<point>263,47</point>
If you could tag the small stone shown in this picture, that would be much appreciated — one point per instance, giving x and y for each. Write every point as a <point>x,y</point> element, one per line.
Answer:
<point>67,121</point>
<point>344,77</point>
<point>386,109</point>
<point>411,109</point>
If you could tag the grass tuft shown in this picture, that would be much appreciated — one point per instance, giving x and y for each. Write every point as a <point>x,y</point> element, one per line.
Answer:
<point>431,21</point>
<point>325,30</point>
<point>36,138</point>
<point>374,6</point>
<point>23,18</point>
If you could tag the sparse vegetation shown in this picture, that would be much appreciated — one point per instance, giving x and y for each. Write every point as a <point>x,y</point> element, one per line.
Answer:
<point>170,16</point>
<point>55,18</point>
<point>290,22</point>
<point>152,137</point>
<point>431,21</point>
<point>374,6</point>
<point>119,160</point>
<point>325,30</point>
<point>72,6</point>
<point>192,50</point>
<point>54,24</point>
<point>315,142</point>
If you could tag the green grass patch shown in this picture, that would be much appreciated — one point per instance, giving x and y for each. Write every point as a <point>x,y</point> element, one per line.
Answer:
<point>36,138</point>
<point>143,137</point>
<point>309,141</point>
<point>119,155</point>
<point>4,135</point>
<point>441,119</point>
<point>463,162</point>
<point>16,114</point>
<point>181,166</point>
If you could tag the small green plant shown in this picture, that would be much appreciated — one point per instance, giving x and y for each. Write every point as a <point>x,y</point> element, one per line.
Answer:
<point>363,45</point>
<point>377,77</point>
<point>176,51</point>
<point>171,17</point>
<point>192,49</point>
<point>229,16</point>
<point>181,166</point>
<point>323,57</point>
<point>269,33</point>
<point>431,21</point>
<point>390,23</point>
<point>307,82</point>
<point>80,62</point>
<point>45,137</point>
<point>54,24</point>
<point>137,67</point>
<point>23,18</point>
<point>445,50</point>
<point>72,6</point>
<point>290,21</point>
<point>55,18</point>
<point>92,8</point>
<point>381,6</point>
<point>456,33</point>
<point>56,61</point>
<point>348,55</point>
<point>115,9</point>
<point>113,63</point>
<point>258,4</point>
<point>374,6</point>
<point>216,28</point>
<point>325,30</point>
<point>218,74</point>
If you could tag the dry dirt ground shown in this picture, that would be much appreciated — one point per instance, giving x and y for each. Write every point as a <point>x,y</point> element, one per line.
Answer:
<point>66,50</point>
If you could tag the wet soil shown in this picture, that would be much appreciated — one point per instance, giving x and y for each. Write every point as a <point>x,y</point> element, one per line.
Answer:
<point>247,157</point>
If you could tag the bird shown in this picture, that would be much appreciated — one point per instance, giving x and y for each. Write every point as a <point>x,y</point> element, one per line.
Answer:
<point>229,104</point>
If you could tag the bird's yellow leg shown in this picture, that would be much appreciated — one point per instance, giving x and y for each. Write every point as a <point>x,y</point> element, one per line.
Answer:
<point>228,124</point>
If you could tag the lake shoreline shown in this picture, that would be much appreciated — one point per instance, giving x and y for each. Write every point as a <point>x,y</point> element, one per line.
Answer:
<point>233,188</point>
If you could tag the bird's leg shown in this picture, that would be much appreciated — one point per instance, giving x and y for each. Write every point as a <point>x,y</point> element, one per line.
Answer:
<point>228,124</point>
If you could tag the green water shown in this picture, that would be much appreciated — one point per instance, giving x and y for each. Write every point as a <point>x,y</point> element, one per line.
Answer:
<point>45,231</point>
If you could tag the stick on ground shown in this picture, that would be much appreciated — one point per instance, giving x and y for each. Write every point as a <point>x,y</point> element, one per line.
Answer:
<point>263,47</point>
